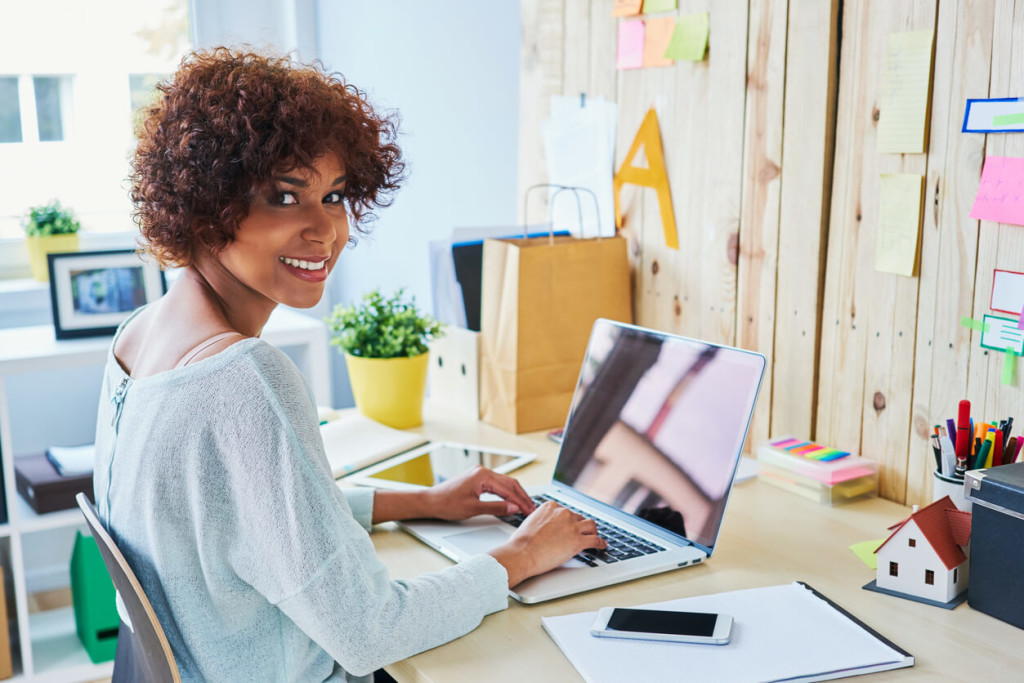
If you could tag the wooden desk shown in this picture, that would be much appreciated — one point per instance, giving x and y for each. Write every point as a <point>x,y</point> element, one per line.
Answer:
<point>769,537</point>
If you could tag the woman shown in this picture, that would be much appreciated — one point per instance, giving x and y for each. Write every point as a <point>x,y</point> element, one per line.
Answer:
<point>210,470</point>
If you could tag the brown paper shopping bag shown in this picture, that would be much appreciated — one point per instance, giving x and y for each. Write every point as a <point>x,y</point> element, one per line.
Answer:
<point>540,297</point>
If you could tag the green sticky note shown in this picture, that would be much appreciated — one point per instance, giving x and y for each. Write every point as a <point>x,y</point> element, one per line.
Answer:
<point>690,39</point>
<point>978,325</point>
<point>1008,119</point>
<point>1009,366</point>
<point>865,551</point>
<point>652,6</point>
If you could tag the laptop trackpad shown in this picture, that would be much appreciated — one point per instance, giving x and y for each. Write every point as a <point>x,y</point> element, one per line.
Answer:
<point>480,540</point>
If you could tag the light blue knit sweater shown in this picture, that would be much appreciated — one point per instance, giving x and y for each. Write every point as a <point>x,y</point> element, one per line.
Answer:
<point>213,482</point>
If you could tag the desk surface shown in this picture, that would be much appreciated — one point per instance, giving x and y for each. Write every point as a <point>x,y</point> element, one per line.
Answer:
<point>769,537</point>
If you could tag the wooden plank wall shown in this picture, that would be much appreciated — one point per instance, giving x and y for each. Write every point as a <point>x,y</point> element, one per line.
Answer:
<point>770,148</point>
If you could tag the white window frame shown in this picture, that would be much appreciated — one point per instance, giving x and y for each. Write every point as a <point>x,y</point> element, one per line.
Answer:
<point>30,115</point>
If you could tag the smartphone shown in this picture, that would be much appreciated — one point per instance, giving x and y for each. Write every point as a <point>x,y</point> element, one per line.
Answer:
<point>650,624</point>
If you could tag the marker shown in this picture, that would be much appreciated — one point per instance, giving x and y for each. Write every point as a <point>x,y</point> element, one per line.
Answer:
<point>997,448</point>
<point>1020,444</point>
<point>963,433</point>
<point>979,462</point>
<point>1010,453</point>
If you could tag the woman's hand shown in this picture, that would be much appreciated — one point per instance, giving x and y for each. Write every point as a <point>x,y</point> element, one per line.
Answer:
<point>459,498</point>
<point>548,537</point>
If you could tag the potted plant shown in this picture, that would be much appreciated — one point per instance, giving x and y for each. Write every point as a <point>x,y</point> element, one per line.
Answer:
<point>49,228</point>
<point>384,340</point>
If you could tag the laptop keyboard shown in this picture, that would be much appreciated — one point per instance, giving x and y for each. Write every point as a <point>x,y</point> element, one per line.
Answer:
<point>622,545</point>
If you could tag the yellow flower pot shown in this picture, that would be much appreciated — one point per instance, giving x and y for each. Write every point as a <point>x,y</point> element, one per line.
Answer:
<point>389,390</point>
<point>40,246</point>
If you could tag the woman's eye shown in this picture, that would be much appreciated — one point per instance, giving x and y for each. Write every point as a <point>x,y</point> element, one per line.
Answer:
<point>334,198</point>
<point>286,198</point>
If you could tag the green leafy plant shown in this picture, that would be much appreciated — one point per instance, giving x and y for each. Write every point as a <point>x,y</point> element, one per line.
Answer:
<point>382,327</point>
<point>50,219</point>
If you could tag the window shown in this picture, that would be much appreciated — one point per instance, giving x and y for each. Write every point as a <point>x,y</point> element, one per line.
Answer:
<point>894,569</point>
<point>49,107</point>
<point>912,542</point>
<point>67,110</point>
<point>955,571</point>
<point>10,110</point>
<point>929,577</point>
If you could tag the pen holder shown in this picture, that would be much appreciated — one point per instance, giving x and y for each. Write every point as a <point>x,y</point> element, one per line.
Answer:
<point>952,487</point>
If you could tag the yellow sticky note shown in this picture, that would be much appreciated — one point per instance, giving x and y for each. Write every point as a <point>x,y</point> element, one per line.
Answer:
<point>657,34</point>
<point>626,8</point>
<point>906,79</point>
<point>899,221</point>
<point>651,6</point>
<point>865,550</point>
<point>690,38</point>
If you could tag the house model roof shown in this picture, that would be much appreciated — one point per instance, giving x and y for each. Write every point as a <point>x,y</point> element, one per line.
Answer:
<point>944,526</point>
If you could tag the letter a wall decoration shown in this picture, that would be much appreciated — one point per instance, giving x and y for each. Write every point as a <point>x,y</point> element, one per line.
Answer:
<point>654,176</point>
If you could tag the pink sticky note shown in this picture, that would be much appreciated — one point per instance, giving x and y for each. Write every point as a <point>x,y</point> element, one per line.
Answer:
<point>1020,322</point>
<point>1001,191</point>
<point>631,44</point>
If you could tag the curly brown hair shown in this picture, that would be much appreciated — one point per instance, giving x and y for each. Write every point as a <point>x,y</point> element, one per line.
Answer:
<point>226,122</point>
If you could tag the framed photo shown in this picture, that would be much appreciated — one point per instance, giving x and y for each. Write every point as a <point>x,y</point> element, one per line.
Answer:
<point>92,292</point>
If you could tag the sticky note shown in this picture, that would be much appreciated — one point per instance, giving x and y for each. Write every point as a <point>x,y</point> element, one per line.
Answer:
<point>657,34</point>
<point>626,8</point>
<point>906,78</point>
<point>899,221</point>
<point>690,38</point>
<point>651,6</point>
<point>998,115</point>
<point>1002,334</point>
<point>1000,195</point>
<point>865,551</point>
<point>631,45</point>
<point>1007,291</point>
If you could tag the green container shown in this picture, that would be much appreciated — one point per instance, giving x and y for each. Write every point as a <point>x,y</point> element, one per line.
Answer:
<point>95,601</point>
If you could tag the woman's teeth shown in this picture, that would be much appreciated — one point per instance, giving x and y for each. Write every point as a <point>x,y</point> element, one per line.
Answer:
<point>305,265</point>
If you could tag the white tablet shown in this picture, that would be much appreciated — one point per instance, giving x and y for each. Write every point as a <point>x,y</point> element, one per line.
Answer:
<point>435,463</point>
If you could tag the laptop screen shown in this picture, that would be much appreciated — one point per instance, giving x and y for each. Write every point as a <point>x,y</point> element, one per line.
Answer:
<point>657,425</point>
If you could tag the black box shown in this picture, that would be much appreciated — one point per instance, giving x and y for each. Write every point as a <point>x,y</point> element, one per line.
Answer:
<point>44,488</point>
<point>997,542</point>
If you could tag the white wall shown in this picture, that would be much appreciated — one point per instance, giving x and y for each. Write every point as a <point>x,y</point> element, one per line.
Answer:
<point>452,71</point>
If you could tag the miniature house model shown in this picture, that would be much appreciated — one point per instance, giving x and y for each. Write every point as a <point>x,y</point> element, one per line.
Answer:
<point>926,554</point>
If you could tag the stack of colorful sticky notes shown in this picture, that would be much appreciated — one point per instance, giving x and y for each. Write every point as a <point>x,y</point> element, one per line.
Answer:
<point>808,449</point>
<point>821,473</point>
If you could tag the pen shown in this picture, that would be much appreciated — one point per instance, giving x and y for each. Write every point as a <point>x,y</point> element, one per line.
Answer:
<point>979,462</point>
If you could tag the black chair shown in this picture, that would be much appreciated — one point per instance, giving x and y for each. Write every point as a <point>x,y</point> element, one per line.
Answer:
<point>143,653</point>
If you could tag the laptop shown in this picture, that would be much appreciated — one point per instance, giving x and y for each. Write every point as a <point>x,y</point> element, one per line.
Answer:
<point>655,432</point>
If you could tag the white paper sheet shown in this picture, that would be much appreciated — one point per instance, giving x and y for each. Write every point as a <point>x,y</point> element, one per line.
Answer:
<point>779,632</point>
<point>579,150</point>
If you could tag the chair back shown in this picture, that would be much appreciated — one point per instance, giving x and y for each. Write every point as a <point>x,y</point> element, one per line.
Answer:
<point>143,653</point>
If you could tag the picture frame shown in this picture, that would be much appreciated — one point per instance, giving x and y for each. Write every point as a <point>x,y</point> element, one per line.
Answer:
<point>92,292</point>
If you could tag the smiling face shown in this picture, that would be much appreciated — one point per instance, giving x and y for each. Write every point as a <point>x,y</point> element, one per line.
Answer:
<point>289,242</point>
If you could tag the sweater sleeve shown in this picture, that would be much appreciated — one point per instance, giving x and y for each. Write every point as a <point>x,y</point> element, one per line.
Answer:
<point>303,543</point>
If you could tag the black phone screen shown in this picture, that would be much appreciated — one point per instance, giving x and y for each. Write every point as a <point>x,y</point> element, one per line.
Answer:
<point>658,621</point>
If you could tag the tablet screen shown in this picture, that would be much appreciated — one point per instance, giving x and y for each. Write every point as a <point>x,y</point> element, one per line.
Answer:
<point>435,464</point>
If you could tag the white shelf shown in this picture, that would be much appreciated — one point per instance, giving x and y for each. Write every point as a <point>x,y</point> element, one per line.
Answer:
<point>50,649</point>
<point>57,652</point>
<point>30,521</point>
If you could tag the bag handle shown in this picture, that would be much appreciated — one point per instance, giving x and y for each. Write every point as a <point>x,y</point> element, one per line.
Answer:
<point>575,189</point>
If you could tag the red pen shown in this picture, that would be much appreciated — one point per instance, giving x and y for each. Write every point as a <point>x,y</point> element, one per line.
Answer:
<point>997,447</point>
<point>963,429</point>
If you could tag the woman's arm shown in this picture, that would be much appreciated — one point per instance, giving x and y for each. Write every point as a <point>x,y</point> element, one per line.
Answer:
<point>455,499</point>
